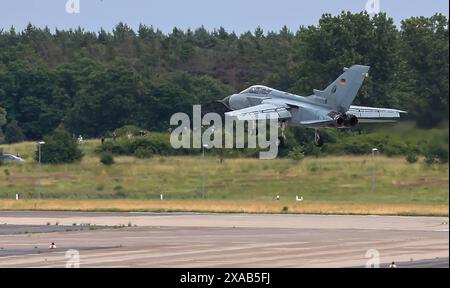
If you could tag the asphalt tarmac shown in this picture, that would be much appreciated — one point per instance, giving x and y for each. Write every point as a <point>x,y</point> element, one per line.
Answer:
<point>220,240</point>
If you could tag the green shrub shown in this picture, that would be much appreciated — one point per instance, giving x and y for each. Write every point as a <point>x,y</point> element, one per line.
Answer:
<point>436,153</point>
<point>115,147</point>
<point>403,139</point>
<point>120,192</point>
<point>143,152</point>
<point>129,129</point>
<point>155,143</point>
<point>411,158</point>
<point>59,147</point>
<point>396,149</point>
<point>296,154</point>
<point>107,158</point>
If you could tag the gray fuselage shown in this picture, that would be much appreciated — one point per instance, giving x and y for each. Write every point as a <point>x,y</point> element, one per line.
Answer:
<point>302,109</point>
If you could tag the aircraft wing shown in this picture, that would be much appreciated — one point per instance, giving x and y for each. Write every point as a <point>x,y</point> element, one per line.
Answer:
<point>375,115</point>
<point>261,111</point>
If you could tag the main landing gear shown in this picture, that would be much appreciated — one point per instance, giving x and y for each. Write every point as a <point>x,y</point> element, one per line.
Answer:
<point>282,138</point>
<point>281,141</point>
<point>318,141</point>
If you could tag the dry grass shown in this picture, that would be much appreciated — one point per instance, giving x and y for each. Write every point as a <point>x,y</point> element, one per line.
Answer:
<point>333,184</point>
<point>226,206</point>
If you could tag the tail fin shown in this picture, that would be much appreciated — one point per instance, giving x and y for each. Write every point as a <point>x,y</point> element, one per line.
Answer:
<point>341,93</point>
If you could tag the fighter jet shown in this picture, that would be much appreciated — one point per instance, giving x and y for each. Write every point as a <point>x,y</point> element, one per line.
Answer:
<point>323,109</point>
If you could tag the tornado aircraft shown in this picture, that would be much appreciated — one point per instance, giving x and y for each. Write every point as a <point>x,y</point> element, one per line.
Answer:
<point>327,108</point>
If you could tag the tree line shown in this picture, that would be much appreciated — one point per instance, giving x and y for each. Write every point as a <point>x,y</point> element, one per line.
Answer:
<point>95,82</point>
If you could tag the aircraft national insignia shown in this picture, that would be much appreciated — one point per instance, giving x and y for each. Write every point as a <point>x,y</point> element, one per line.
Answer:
<point>342,82</point>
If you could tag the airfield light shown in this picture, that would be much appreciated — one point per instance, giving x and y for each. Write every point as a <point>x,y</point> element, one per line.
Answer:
<point>39,148</point>
<point>40,143</point>
<point>203,170</point>
<point>374,150</point>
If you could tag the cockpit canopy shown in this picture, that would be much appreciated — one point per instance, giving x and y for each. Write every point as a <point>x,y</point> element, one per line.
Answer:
<point>257,89</point>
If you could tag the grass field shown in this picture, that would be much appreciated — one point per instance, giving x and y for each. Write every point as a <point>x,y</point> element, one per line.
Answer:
<point>227,206</point>
<point>338,184</point>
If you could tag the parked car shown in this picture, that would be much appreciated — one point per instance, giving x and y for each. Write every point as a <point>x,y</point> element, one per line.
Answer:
<point>9,157</point>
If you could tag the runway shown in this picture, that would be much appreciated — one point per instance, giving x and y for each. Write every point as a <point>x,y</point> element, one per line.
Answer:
<point>221,240</point>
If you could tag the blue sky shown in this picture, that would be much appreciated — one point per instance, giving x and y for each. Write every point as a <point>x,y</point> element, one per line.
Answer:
<point>233,15</point>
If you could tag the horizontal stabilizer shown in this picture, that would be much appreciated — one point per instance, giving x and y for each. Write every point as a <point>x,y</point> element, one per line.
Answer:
<point>371,112</point>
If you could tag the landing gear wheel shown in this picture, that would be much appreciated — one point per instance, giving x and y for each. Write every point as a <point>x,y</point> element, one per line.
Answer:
<point>318,141</point>
<point>282,139</point>
<point>281,142</point>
